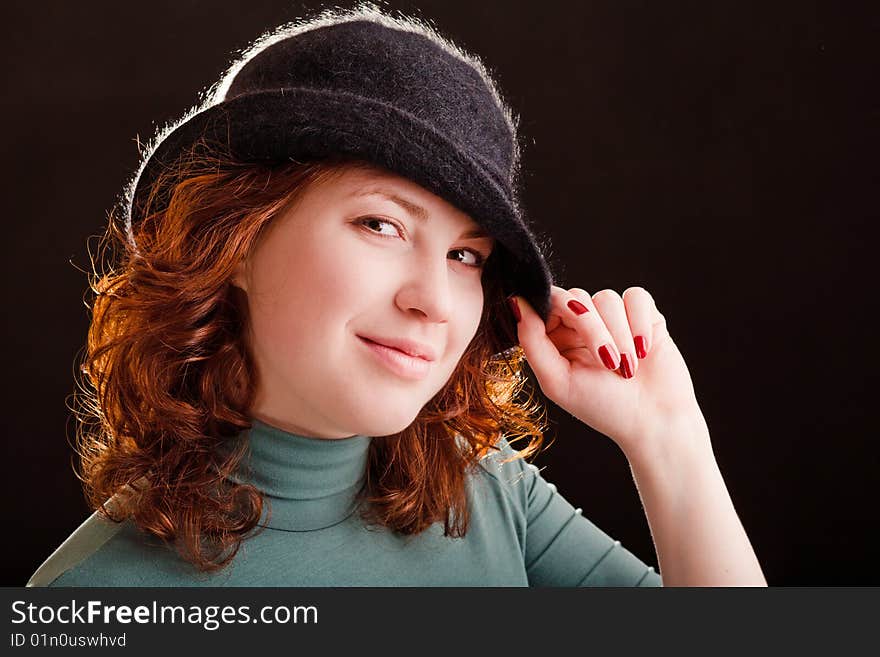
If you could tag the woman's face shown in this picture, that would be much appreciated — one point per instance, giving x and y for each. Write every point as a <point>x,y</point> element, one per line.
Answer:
<point>367,254</point>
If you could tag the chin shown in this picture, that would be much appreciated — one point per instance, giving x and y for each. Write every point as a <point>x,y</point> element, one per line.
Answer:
<point>387,426</point>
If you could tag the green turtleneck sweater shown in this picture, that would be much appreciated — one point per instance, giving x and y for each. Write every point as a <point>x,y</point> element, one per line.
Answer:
<point>522,532</point>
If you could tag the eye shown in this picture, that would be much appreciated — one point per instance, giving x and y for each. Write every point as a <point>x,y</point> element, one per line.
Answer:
<point>478,258</point>
<point>377,220</point>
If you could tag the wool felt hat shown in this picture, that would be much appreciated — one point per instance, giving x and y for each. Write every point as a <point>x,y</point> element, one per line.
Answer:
<point>384,89</point>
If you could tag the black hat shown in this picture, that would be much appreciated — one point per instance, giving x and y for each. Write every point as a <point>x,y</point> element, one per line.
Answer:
<point>378,88</point>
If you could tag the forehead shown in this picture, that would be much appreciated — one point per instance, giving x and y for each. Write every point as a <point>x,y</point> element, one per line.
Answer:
<point>358,174</point>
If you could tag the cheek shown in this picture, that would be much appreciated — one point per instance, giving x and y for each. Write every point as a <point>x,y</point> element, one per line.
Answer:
<point>475,309</point>
<point>298,292</point>
<point>466,320</point>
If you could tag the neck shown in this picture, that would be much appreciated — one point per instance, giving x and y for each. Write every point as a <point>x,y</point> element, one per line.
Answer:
<point>309,483</point>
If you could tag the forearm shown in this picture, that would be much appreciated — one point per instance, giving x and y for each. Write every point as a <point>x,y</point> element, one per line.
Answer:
<point>697,534</point>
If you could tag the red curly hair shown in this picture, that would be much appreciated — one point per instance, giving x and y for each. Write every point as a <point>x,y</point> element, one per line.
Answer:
<point>168,376</point>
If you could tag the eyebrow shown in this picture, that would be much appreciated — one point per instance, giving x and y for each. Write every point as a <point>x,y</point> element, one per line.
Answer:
<point>416,211</point>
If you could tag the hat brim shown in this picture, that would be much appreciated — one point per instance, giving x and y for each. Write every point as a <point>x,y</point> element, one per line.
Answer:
<point>281,125</point>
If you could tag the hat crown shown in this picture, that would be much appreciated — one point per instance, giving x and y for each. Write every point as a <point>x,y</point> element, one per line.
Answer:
<point>408,70</point>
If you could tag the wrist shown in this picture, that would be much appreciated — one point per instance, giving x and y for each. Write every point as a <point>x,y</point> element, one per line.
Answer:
<point>680,442</point>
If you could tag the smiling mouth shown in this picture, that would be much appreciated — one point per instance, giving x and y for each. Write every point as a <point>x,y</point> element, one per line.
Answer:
<point>408,355</point>
<point>385,346</point>
<point>397,361</point>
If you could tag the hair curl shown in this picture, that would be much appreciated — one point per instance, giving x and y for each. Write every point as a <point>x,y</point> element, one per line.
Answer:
<point>169,376</point>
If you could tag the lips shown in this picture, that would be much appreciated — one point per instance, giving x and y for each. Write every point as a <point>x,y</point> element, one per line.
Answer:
<point>412,368</point>
<point>404,345</point>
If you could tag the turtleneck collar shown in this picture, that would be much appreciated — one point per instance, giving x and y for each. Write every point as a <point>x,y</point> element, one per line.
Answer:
<point>311,483</point>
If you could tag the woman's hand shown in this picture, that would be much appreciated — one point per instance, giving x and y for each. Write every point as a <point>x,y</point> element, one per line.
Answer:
<point>586,362</point>
<point>654,418</point>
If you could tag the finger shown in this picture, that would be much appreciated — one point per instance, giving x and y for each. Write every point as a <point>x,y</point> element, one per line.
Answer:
<point>641,314</point>
<point>610,306</point>
<point>583,317</point>
<point>550,367</point>
<point>553,319</point>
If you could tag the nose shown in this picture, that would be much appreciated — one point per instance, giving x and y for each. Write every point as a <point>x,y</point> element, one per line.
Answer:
<point>427,288</point>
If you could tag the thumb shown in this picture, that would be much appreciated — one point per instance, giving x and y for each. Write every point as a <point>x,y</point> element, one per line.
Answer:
<point>550,367</point>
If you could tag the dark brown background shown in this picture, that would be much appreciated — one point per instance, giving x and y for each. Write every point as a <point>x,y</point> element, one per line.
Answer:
<point>720,154</point>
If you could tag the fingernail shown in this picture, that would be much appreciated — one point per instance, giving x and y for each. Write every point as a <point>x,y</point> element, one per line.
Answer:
<point>607,358</point>
<point>514,307</point>
<point>577,307</point>
<point>641,350</point>
<point>625,366</point>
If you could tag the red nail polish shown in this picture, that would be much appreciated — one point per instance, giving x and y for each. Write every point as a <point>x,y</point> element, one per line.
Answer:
<point>607,358</point>
<point>514,307</point>
<point>641,351</point>
<point>577,307</point>
<point>625,366</point>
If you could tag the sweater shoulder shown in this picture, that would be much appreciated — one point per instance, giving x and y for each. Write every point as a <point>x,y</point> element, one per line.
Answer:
<point>103,552</point>
<point>510,471</point>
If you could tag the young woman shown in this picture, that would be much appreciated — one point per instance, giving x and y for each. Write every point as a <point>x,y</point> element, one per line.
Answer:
<point>307,360</point>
